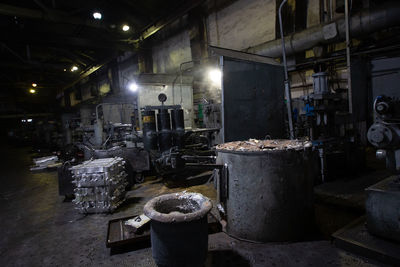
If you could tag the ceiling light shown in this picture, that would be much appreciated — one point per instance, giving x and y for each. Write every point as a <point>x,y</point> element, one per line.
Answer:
<point>74,68</point>
<point>34,84</point>
<point>125,28</point>
<point>97,15</point>
<point>215,76</point>
<point>32,91</point>
<point>29,120</point>
<point>133,87</point>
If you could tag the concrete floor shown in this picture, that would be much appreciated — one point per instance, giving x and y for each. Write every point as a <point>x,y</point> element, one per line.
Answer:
<point>39,229</point>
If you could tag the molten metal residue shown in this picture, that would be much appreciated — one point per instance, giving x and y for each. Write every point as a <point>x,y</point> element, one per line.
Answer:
<point>264,145</point>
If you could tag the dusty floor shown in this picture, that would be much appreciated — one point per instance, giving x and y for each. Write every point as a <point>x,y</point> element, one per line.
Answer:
<point>39,229</point>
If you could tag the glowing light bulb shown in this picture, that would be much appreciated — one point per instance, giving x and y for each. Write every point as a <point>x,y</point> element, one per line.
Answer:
<point>125,28</point>
<point>97,15</point>
<point>133,87</point>
<point>215,76</point>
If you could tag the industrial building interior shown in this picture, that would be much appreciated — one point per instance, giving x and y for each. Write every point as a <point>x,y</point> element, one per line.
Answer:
<point>200,133</point>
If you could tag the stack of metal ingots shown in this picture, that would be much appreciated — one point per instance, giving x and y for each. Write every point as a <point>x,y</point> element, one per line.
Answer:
<point>100,184</point>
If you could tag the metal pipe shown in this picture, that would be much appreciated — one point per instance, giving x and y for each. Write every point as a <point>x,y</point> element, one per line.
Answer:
<point>349,91</point>
<point>362,23</point>
<point>283,40</point>
<point>286,82</point>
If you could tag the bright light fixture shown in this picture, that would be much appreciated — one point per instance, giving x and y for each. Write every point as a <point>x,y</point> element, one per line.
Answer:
<point>23,120</point>
<point>97,15</point>
<point>32,91</point>
<point>215,76</point>
<point>125,28</point>
<point>34,84</point>
<point>29,120</point>
<point>74,68</point>
<point>133,87</point>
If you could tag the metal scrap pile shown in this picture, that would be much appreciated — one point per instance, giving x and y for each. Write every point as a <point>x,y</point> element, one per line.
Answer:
<point>45,162</point>
<point>264,145</point>
<point>100,184</point>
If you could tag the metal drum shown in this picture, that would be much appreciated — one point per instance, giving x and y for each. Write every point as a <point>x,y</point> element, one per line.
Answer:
<point>149,130</point>
<point>268,189</point>
<point>164,130</point>
<point>178,126</point>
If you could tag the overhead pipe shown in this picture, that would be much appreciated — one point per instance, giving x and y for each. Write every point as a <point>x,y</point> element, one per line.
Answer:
<point>286,81</point>
<point>363,23</point>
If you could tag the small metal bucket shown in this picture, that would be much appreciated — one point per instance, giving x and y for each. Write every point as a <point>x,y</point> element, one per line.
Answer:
<point>179,229</point>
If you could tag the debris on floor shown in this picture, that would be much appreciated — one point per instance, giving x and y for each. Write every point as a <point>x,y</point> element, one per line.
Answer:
<point>45,162</point>
<point>138,221</point>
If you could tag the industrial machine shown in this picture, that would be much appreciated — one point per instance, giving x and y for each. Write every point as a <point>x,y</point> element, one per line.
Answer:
<point>377,234</point>
<point>162,147</point>
<point>164,138</point>
<point>170,147</point>
<point>89,137</point>
<point>384,134</point>
<point>322,117</point>
<point>383,199</point>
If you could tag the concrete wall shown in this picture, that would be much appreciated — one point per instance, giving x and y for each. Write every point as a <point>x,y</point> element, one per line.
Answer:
<point>117,113</point>
<point>313,9</point>
<point>128,68</point>
<point>170,53</point>
<point>243,24</point>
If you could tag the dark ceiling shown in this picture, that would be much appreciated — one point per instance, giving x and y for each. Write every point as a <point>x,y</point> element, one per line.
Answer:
<point>41,40</point>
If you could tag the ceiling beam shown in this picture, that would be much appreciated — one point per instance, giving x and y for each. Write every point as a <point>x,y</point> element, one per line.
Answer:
<point>87,72</point>
<point>29,65</point>
<point>161,23</point>
<point>54,16</point>
<point>64,41</point>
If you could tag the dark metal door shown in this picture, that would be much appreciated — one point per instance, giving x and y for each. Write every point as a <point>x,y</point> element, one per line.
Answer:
<point>253,100</point>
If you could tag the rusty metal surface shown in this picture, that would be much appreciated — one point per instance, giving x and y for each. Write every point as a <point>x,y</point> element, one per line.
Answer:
<point>178,207</point>
<point>269,195</point>
<point>382,208</point>
<point>119,234</point>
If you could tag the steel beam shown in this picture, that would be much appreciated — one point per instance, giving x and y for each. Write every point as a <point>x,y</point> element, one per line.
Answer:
<point>59,17</point>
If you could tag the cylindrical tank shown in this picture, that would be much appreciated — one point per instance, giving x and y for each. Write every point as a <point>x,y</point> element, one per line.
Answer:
<point>178,126</point>
<point>149,130</point>
<point>320,83</point>
<point>164,130</point>
<point>268,189</point>
<point>179,229</point>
